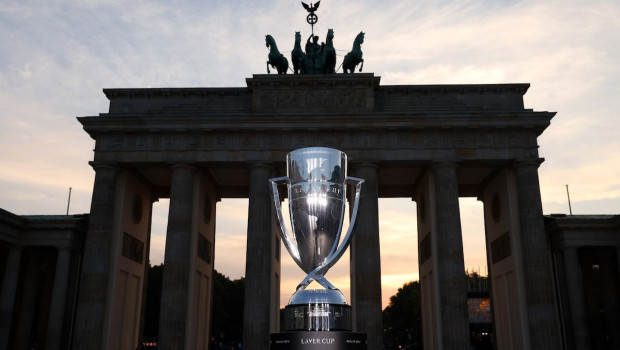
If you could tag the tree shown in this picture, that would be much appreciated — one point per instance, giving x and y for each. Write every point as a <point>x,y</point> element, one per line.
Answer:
<point>153,298</point>
<point>402,318</point>
<point>227,314</point>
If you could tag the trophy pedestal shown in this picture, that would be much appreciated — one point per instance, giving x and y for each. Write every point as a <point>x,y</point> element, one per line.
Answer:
<point>317,340</point>
<point>317,310</point>
<point>317,317</point>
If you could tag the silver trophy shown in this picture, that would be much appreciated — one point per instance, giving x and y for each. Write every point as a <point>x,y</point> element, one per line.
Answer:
<point>317,181</point>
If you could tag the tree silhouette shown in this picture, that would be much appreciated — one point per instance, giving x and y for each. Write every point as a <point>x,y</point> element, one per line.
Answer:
<point>227,315</point>
<point>402,318</point>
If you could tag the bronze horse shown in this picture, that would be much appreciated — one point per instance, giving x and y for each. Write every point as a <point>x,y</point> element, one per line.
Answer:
<point>276,59</point>
<point>353,58</point>
<point>329,53</point>
<point>298,57</point>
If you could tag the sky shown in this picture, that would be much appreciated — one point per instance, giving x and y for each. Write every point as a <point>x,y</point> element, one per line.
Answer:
<point>57,56</point>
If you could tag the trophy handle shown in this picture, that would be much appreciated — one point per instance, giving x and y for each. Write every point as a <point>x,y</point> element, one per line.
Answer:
<point>283,232</point>
<point>317,273</point>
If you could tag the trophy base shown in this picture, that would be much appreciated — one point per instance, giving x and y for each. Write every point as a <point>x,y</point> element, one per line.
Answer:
<point>317,310</point>
<point>312,340</point>
<point>317,317</point>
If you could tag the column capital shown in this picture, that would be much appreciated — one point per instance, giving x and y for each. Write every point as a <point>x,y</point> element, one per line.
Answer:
<point>64,247</point>
<point>445,163</point>
<point>527,162</point>
<point>188,166</point>
<point>16,246</point>
<point>260,165</point>
<point>357,164</point>
<point>104,165</point>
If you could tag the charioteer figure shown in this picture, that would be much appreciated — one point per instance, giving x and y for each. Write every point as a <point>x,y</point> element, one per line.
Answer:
<point>314,55</point>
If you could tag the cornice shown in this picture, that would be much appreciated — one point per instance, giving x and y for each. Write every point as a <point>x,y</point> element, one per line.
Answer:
<point>150,93</point>
<point>443,120</point>
<point>520,88</point>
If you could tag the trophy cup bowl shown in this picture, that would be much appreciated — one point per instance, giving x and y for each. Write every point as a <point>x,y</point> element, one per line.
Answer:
<point>316,182</point>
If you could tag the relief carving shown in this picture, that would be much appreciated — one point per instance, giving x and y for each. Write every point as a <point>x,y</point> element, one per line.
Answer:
<point>446,139</point>
<point>273,141</point>
<point>117,142</point>
<point>220,140</point>
<point>193,141</point>
<point>171,142</point>
<point>144,142</point>
<point>483,138</point>
<point>404,140</point>
<point>432,140</point>
<point>512,139</point>
<point>299,140</point>
<point>312,99</point>
<point>459,140</point>
<point>380,140</point>
<point>327,140</point>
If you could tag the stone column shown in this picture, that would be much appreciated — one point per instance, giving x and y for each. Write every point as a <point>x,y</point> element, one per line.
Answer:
<point>276,272</point>
<point>618,258</point>
<point>59,297</point>
<point>91,301</point>
<point>538,277</point>
<point>572,272</point>
<point>609,292</point>
<point>7,296</point>
<point>450,269</point>
<point>258,263</point>
<point>28,300</point>
<point>175,284</point>
<point>366,259</point>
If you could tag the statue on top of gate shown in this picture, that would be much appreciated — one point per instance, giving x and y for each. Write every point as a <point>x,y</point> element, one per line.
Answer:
<point>317,58</point>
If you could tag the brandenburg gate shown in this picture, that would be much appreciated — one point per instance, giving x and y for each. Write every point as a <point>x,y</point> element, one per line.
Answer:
<point>430,143</point>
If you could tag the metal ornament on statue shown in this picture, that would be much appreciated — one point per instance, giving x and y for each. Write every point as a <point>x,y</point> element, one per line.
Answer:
<point>317,180</point>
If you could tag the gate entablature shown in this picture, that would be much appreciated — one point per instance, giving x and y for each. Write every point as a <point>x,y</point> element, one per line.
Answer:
<point>404,127</point>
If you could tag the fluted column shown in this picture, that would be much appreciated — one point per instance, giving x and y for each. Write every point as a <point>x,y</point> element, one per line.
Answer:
<point>258,263</point>
<point>572,272</point>
<point>540,300</point>
<point>175,285</point>
<point>59,297</point>
<point>608,293</point>
<point>7,296</point>
<point>91,304</point>
<point>450,270</point>
<point>276,273</point>
<point>366,259</point>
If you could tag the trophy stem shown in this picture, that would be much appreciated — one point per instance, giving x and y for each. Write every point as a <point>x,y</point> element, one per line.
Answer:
<point>320,279</point>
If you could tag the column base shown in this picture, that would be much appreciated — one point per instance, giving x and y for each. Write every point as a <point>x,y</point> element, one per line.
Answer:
<point>313,340</point>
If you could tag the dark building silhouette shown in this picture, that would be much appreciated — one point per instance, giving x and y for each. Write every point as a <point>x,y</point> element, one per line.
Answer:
<point>39,262</point>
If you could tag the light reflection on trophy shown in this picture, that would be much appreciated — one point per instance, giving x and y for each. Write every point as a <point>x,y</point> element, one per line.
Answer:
<point>316,181</point>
